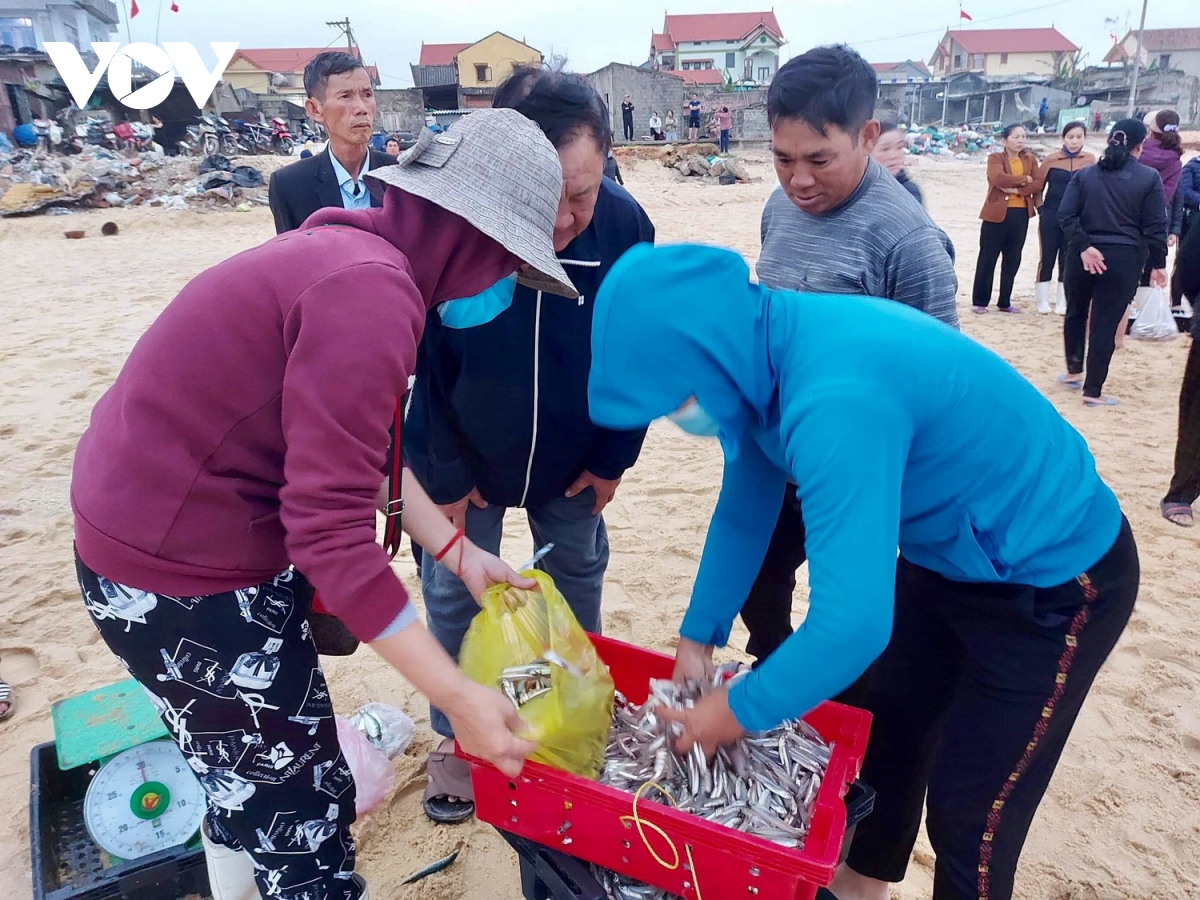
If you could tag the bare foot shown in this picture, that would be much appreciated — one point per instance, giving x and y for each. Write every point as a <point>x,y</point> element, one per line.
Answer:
<point>849,885</point>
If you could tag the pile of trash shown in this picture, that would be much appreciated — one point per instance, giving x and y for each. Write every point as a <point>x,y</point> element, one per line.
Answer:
<point>961,143</point>
<point>721,169</point>
<point>101,178</point>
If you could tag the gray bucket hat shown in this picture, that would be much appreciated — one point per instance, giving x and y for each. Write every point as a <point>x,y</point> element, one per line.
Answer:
<point>497,170</point>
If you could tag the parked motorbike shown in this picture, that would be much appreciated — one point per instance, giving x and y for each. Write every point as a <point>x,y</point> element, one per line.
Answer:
<point>281,136</point>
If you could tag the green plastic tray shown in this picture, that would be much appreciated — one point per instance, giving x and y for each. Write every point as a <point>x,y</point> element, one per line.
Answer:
<point>101,723</point>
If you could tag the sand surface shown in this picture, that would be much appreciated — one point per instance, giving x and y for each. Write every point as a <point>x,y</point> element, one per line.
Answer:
<point>1122,816</point>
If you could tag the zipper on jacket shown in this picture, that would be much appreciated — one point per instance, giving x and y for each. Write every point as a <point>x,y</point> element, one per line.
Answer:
<point>537,343</point>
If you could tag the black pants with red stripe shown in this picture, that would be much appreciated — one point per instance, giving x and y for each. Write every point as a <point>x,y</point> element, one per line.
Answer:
<point>974,699</point>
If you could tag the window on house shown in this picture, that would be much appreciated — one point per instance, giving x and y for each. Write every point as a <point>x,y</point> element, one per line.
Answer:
<point>17,33</point>
<point>668,62</point>
<point>708,64</point>
<point>763,39</point>
<point>958,60</point>
<point>976,60</point>
<point>483,72</point>
<point>697,43</point>
<point>730,60</point>
<point>1004,59</point>
<point>1164,61</point>
<point>764,73</point>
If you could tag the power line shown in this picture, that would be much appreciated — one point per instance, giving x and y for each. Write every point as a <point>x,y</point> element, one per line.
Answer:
<point>1019,12</point>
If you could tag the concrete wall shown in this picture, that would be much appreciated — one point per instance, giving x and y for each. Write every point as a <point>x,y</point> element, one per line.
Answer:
<point>499,53</point>
<point>649,90</point>
<point>1022,64</point>
<point>1187,61</point>
<point>401,109</point>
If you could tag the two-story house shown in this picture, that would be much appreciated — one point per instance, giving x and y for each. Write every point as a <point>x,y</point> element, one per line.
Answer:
<point>716,47</point>
<point>1002,51</point>
<point>465,76</point>
<point>276,70</point>
<point>28,24</point>
<point>1164,49</point>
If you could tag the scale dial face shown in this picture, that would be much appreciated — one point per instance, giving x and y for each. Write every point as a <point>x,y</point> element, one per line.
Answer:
<point>144,800</point>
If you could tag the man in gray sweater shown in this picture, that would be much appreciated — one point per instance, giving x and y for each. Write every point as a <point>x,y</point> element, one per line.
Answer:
<point>838,224</point>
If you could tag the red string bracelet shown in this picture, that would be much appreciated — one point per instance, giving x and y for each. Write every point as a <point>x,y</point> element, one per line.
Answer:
<point>459,535</point>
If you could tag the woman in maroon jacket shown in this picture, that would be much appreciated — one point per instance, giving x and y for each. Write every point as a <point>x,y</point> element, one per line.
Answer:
<point>244,442</point>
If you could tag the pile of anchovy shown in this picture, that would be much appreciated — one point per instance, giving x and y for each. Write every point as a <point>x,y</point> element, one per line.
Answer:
<point>765,784</point>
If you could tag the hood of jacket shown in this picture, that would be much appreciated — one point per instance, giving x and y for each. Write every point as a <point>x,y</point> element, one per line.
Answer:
<point>449,257</point>
<point>677,322</point>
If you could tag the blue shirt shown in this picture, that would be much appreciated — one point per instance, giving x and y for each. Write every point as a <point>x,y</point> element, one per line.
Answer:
<point>354,193</point>
<point>900,432</point>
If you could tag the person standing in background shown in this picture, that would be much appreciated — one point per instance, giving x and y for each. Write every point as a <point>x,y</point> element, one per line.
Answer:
<point>341,97</point>
<point>1115,221</point>
<point>1163,152</point>
<point>1188,205</point>
<point>1043,109</point>
<point>1053,176</point>
<point>1185,485</point>
<point>724,124</point>
<point>1006,213</point>
<point>694,118</point>
<point>890,151</point>
<point>671,126</point>
<point>627,117</point>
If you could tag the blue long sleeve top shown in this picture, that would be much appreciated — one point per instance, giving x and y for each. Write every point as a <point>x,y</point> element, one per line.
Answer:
<point>900,432</point>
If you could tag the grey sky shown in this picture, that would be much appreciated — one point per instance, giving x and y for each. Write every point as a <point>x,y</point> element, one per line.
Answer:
<point>390,33</point>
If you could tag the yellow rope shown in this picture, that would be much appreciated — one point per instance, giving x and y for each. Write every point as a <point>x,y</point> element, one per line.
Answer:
<point>640,825</point>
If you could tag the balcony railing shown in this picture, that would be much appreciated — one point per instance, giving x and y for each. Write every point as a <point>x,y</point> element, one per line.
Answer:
<point>104,10</point>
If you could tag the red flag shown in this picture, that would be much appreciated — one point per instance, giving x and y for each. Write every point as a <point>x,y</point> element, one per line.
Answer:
<point>174,7</point>
<point>962,14</point>
<point>133,8</point>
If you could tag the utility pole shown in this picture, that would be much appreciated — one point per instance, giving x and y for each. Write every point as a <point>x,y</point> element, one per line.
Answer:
<point>344,26</point>
<point>1137,61</point>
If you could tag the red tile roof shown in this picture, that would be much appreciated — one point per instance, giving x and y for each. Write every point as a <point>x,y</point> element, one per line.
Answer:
<point>281,59</point>
<point>700,76</point>
<point>662,43</point>
<point>888,67</point>
<point>440,54</point>
<point>719,26</point>
<point>1156,40</point>
<point>1011,40</point>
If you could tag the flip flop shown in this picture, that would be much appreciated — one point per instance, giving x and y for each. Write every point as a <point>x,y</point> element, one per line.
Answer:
<point>979,309</point>
<point>1073,385</point>
<point>449,776</point>
<point>1008,309</point>
<point>1177,509</point>
<point>1100,401</point>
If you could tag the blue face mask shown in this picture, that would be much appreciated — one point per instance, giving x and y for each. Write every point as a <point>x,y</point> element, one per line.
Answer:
<point>694,420</point>
<point>480,309</point>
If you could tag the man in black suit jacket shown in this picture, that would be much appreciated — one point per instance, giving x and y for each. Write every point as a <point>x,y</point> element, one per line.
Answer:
<point>342,98</point>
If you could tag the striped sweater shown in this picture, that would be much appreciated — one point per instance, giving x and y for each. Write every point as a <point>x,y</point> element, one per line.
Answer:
<point>880,242</point>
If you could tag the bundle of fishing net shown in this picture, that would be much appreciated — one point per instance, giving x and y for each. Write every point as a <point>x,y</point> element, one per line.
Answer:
<point>530,645</point>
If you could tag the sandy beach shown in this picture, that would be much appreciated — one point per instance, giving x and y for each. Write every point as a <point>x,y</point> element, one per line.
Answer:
<point>1122,816</point>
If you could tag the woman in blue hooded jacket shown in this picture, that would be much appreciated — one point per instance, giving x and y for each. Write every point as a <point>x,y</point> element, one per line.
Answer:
<point>1017,570</point>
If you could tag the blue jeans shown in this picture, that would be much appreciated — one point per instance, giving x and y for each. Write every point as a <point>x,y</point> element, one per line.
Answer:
<point>576,564</point>
<point>724,140</point>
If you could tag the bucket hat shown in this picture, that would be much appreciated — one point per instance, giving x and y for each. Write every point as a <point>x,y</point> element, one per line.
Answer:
<point>497,170</point>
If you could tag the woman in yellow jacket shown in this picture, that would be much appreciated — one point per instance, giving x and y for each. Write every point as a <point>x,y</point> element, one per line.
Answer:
<point>1053,176</point>
<point>1011,202</point>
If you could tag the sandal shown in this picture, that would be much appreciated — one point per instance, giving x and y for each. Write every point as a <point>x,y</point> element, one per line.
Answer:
<point>449,777</point>
<point>1009,309</point>
<point>7,705</point>
<point>1175,512</point>
<point>1100,401</point>
<point>979,309</point>
<point>1065,381</point>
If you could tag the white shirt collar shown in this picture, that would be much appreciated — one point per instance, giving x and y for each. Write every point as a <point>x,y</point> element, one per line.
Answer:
<point>345,179</point>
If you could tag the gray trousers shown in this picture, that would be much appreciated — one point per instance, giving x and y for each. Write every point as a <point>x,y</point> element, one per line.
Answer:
<point>576,564</point>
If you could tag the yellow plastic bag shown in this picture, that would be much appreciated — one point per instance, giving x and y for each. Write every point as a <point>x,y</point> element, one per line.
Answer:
<point>524,642</point>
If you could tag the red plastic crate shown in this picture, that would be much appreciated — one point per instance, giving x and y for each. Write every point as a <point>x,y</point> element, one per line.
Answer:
<point>593,822</point>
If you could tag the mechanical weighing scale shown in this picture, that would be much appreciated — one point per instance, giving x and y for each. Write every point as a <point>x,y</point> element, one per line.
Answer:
<point>114,802</point>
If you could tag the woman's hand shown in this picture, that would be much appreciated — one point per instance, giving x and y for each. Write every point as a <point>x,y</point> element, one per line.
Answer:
<point>479,569</point>
<point>487,725</point>
<point>1158,278</point>
<point>1093,261</point>
<point>710,723</point>
<point>693,660</point>
<point>1172,240</point>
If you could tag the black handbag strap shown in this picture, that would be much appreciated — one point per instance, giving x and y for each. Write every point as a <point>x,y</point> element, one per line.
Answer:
<point>395,505</point>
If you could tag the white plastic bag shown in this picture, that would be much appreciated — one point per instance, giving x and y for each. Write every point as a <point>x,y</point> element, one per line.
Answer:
<point>372,771</point>
<point>1155,322</point>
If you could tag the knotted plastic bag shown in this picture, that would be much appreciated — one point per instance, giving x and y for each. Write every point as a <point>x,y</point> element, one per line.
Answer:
<point>529,645</point>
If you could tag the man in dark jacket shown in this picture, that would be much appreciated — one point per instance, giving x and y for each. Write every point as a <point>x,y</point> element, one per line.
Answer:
<point>342,98</point>
<point>499,411</point>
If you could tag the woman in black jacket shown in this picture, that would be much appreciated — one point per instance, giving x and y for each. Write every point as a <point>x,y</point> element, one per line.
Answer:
<point>1115,219</point>
<point>1185,485</point>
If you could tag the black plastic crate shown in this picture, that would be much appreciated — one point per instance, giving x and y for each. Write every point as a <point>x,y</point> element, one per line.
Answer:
<point>548,874</point>
<point>67,863</point>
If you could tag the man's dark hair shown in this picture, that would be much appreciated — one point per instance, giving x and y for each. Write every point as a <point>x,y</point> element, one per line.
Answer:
<point>321,66</point>
<point>564,105</point>
<point>823,87</point>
